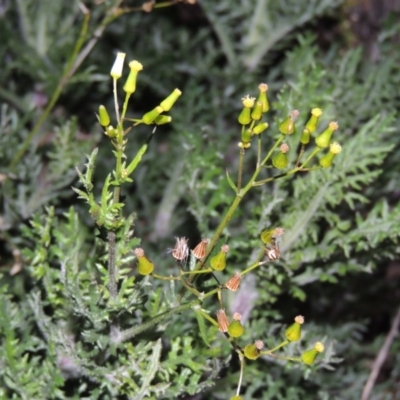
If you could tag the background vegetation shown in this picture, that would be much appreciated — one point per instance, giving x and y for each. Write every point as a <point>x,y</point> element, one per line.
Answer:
<point>340,265</point>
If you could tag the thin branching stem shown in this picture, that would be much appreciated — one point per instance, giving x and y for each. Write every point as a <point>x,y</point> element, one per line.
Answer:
<point>136,330</point>
<point>240,169</point>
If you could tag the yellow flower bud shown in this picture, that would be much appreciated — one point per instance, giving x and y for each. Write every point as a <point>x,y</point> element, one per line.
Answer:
<point>293,333</point>
<point>145,266</point>
<point>235,328</point>
<point>280,160</point>
<point>312,123</point>
<point>263,87</point>
<point>308,357</point>
<point>163,119</point>
<point>150,117</point>
<point>323,140</point>
<point>218,262</point>
<point>327,159</point>
<point>256,114</point>
<point>130,84</point>
<point>104,118</point>
<point>167,103</point>
<point>260,128</point>
<point>287,126</point>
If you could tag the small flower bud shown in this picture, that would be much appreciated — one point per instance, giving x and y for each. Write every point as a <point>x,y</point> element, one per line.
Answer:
<point>130,84</point>
<point>293,333</point>
<point>104,118</point>
<point>323,140</point>
<point>218,262</point>
<point>251,352</point>
<point>308,357</point>
<point>236,398</point>
<point>260,128</point>
<point>263,87</point>
<point>257,112</point>
<point>244,145</point>
<point>167,103</point>
<point>312,123</point>
<point>280,160</point>
<point>222,319</point>
<point>149,117</point>
<point>245,115</point>
<point>163,119</point>
<point>233,283</point>
<point>111,132</point>
<point>327,159</point>
<point>116,70</point>
<point>287,126</point>
<point>246,136</point>
<point>145,266</point>
<point>235,329</point>
<point>305,136</point>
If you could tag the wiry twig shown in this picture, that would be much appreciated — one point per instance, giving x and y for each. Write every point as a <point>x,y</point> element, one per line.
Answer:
<point>381,357</point>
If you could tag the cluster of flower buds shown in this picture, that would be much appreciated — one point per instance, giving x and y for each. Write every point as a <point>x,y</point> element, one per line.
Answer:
<point>251,114</point>
<point>235,328</point>
<point>181,250</point>
<point>293,334</point>
<point>154,116</point>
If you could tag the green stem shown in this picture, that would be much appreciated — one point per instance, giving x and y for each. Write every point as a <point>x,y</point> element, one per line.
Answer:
<point>132,332</point>
<point>240,169</point>
<point>313,153</point>
<point>125,106</point>
<point>166,278</point>
<point>273,178</point>
<point>268,352</point>
<point>258,150</point>
<point>202,271</point>
<point>112,273</point>
<point>268,156</point>
<point>253,266</point>
<point>303,147</point>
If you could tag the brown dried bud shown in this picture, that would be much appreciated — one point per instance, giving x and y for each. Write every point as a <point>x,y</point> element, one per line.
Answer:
<point>200,250</point>
<point>223,322</point>
<point>234,282</point>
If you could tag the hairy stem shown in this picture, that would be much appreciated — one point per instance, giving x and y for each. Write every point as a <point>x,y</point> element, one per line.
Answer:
<point>112,273</point>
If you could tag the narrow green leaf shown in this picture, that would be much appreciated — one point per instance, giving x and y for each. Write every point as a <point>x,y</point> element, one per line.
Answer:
<point>202,327</point>
<point>230,181</point>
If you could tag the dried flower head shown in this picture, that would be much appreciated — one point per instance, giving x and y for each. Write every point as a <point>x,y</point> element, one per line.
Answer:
<point>284,148</point>
<point>222,319</point>
<point>181,249</point>
<point>263,87</point>
<point>273,253</point>
<point>237,316</point>
<point>259,344</point>
<point>224,248</point>
<point>278,232</point>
